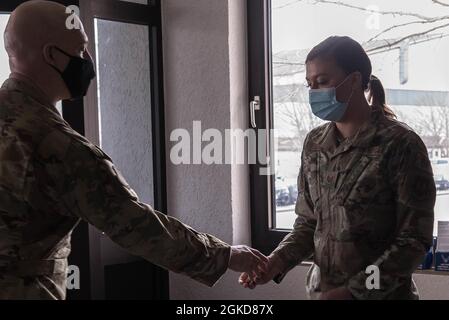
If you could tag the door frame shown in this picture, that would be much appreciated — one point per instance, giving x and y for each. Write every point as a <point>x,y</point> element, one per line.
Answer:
<point>128,12</point>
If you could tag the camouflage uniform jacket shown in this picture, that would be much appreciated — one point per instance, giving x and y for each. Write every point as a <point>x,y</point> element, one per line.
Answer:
<point>365,201</point>
<point>50,178</point>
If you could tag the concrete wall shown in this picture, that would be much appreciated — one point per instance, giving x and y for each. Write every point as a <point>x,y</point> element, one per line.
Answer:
<point>205,79</point>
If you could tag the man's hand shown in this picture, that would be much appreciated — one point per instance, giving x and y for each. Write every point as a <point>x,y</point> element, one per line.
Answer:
<point>340,293</point>
<point>274,267</point>
<point>246,259</point>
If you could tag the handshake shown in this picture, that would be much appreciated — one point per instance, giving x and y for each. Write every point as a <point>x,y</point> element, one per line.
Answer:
<point>256,268</point>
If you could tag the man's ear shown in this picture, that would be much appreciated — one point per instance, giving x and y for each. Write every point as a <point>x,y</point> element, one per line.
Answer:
<point>48,54</point>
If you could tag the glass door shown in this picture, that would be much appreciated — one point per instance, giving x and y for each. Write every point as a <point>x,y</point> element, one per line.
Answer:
<point>123,115</point>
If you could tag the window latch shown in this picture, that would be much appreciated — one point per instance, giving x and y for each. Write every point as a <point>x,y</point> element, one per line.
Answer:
<point>253,107</point>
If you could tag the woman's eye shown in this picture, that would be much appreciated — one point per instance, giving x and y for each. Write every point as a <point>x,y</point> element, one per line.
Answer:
<point>322,82</point>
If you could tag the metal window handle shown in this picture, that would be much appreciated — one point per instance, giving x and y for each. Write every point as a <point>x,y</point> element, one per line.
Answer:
<point>253,107</point>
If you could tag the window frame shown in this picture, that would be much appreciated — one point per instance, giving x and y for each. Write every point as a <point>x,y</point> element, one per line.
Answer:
<point>264,237</point>
<point>260,83</point>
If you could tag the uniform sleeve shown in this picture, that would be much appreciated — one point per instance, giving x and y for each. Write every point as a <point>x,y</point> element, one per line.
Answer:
<point>298,245</point>
<point>94,190</point>
<point>412,180</point>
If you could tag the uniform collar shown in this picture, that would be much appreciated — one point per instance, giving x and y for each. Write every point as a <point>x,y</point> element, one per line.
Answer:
<point>16,82</point>
<point>362,139</point>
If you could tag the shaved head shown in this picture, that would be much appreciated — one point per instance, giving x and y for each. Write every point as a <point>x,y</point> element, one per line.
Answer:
<point>33,31</point>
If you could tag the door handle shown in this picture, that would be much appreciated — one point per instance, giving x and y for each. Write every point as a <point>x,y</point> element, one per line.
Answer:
<point>253,107</point>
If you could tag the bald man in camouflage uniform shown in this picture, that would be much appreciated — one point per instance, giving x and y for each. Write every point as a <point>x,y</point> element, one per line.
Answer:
<point>51,177</point>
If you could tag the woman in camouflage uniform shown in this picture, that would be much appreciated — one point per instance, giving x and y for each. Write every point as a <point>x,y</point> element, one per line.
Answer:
<point>366,187</point>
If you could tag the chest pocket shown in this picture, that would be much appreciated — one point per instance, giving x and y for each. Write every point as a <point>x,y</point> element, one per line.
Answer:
<point>349,178</point>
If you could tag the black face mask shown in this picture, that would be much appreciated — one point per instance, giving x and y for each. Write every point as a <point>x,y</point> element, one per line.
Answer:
<point>77,75</point>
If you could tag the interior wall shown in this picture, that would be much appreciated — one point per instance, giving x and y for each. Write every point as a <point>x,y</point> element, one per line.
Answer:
<point>205,79</point>
<point>196,75</point>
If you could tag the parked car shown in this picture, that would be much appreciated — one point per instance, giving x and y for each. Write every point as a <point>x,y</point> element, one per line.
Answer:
<point>293,191</point>
<point>441,183</point>
<point>286,193</point>
<point>282,197</point>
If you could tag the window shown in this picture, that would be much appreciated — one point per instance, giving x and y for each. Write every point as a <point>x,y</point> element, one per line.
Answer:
<point>407,48</point>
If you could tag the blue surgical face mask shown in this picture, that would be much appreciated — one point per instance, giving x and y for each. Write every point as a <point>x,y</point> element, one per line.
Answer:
<point>325,105</point>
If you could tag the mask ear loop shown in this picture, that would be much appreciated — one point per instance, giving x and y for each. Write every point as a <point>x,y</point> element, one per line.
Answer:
<point>63,52</point>
<point>350,96</point>
<point>343,80</point>
<point>352,90</point>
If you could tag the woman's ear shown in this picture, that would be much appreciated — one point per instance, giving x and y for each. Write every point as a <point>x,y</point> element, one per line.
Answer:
<point>357,80</point>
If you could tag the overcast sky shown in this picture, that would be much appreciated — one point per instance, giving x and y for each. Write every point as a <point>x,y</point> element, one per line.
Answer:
<point>304,24</point>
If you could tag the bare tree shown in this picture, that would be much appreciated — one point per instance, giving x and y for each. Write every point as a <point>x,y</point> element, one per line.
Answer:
<point>293,111</point>
<point>430,124</point>
<point>432,121</point>
<point>438,23</point>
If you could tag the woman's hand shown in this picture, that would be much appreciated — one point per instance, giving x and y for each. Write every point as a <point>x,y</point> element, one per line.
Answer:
<point>252,279</point>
